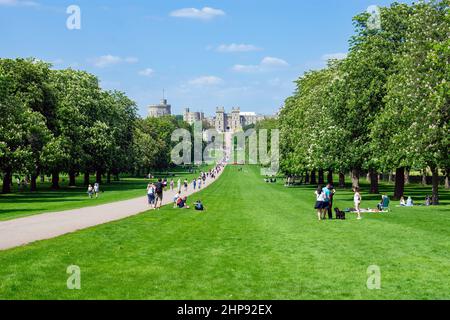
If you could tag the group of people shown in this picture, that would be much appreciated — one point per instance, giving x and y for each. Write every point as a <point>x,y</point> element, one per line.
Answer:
<point>93,190</point>
<point>155,190</point>
<point>324,201</point>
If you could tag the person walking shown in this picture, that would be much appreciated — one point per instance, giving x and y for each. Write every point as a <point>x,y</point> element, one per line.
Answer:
<point>90,191</point>
<point>171,184</point>
<point>96,189</point>
<point>159,194</point>
<point>194,184</point>
<point>199,182</point>
<point>185,185</point>
<point>179,185</point>
<point>151,195</point>
<point>357,200</point>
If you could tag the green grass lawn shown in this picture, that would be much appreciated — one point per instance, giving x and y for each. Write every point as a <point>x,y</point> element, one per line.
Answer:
<point>255,241</point>
<point>23,203</point>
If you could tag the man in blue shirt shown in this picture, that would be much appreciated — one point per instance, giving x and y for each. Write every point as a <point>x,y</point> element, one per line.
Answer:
<point>328,203</point>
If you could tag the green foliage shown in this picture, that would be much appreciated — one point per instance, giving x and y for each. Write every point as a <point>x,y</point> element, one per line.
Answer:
<point>385,106</point>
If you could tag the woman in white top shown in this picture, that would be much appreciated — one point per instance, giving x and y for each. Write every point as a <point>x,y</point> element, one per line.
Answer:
<point>320,198</point>
<point>357,200</point>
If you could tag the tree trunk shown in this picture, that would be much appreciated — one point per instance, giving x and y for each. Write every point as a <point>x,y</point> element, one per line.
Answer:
<point>86,178</point>
<point>330,176</point>
<point>42,178</point>
<point>108,177</point>
<point>399,183</point>
<point>341,180</point>
<point>72,178</point>
<point>424,177</point>
<point>313,177</point>
<point>98,177</point>
<point>373,181</point>
<point>307,177</point>
<point>55,180</point>
<point>33,185</point>
<point>435,179</point>
<point>407,177</point>
<point>321,177</point>
<point>7,179</point>
<point>355,178</point>
<point>116,177</point>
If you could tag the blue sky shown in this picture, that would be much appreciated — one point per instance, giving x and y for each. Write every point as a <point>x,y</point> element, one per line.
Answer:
<point>204,54</point>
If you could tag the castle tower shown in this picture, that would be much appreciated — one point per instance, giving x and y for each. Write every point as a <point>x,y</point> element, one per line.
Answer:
<point>160,110</point>
<point>236,119</point>
<point>221,120</point>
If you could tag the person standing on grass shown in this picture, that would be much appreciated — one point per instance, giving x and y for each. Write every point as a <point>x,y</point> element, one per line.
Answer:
<point>357,200</point>
<point>159,194</point>
<point>329,193</point>
<point>320,197</point>
<point>326,201</point>
<point>151,195</point>
<point>90,191</point>
<point>96,189</point>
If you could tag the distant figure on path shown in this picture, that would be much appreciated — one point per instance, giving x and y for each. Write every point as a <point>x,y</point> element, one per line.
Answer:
<point>185,184</point>
<point>179,185</point>
<point>90,191</point>
<point>171,184</point>
<point>357,200</point>
<point>199,183</point>
<point>194,184</point>
<point>159,194</point>
<point>151,195</point>
<point>96,189</point>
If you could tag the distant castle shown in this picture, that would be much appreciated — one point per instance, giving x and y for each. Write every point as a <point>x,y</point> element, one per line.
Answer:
<point>225,122</point>
<point>160,110</point>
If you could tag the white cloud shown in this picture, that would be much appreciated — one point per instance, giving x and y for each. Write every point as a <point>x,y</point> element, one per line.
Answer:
<point>266,64</point>
<point>231,48</point>
<point>206,13</point>
<point>274,62</point>
<point>148,72</point>
<point>13,3</point>
<point>109,60</point>
<point>334,56</point>
<point>206,81</point>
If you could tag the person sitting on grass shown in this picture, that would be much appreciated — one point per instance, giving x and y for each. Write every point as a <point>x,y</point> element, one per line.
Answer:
<point>409,202</point>
<point>181,203</point>
<point>199,206</point>
<point>402,202</point>
<point>175,198</point>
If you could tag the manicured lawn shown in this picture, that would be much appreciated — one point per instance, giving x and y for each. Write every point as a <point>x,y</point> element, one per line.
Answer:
<point>22,203</point>
<point>255,241</point>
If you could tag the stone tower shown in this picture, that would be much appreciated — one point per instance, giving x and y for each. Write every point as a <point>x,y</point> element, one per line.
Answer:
<point>221,120</point>
<point>236,120</point>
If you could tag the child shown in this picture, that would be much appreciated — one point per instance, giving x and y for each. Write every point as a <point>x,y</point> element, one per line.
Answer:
<point>151,195</point>
<point>357,200</point>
